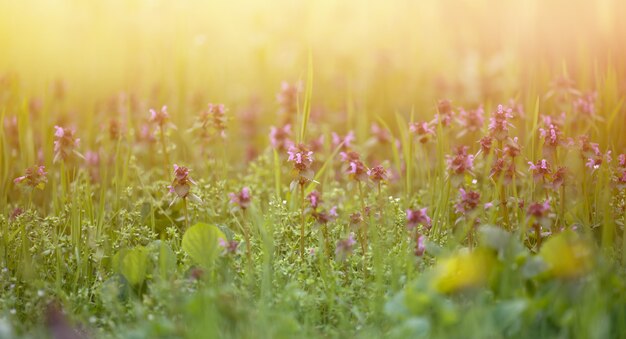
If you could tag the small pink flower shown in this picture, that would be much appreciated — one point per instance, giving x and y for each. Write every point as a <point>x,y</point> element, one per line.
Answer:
<point>621,160</point>
<point>229,246</point>
<point>423,130</point>
<point>92,158</point>
<point>540,170</point>
<point>486,144</point>
<point>241,199</point>
<point>381,135</point>
<point>512,148</point>
<point>539,210</point>
<point>471,120</point>
<point>161,117</point>
<point>317,144</point>
<point>597,160</point>
<point>34,177</point>
<point>505,167</point>
<point>64,143</point>
<point>551,136</point>
<point>444,113</point>
<point>588,149</point>
<point>344,247</point>
<point>499,123</point>
<point>115,129</point>
<point>356,218</point>
<point>593,163</point>
<point>420,245</point>
<point>217,112</point>
<point>16,213</point>
<point>92,161</point>
<point>145,134</point>
<point>556,120</point>
<point>517,110</point>
<point>418,217</point>
<point>314,198</point>
<point>355,167</point>
<point>181,186</point>
<point>461,162</point>
<point>558,178</point>
<point>621,180</point>
<point>301,157</point>
<point>213,118</point>
<point>468,201</point>
<point>585,104</point>
<point>325,217</point>
<point>288,97</point>
<point>280,137</point>
<point>347,140</point>
<point>377,174</point>
<point>561,88</point>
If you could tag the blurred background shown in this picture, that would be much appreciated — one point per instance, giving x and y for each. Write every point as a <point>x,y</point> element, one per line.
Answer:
<point>376,56</point>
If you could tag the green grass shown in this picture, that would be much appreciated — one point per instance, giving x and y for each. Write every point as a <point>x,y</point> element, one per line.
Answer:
<point>103,241</point>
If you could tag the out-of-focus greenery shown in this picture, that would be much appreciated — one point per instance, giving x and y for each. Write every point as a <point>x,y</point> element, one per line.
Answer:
<point>102,247</point>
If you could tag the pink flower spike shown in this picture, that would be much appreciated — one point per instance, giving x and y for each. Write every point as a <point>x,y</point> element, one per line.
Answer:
<point>241,199</point>
<point>314,199</point>
<point>64,143</point>
<point>34,177</point>
<point>344,247</point>
<point>181,185</point>
<point>280,137</point>
<point>468,201</point>
<point>377,174</point>
<point>301,157</point>
<point>461,162</point>
<point>420,245</point>
<point>418,217</point>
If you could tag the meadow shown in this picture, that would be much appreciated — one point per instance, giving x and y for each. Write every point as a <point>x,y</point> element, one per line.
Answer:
<point>274,169</point>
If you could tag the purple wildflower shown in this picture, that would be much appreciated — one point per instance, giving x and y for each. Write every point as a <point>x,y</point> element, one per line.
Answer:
<point>34,177</point>
<point>418,217</point>
<point>241,199</point>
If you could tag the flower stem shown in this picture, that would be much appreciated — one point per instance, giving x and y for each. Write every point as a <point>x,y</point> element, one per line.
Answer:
<point>362,232</point>
<point>186,213</point>
<point>164,149</point>
<point>302,221</point>
<point>246,234</point>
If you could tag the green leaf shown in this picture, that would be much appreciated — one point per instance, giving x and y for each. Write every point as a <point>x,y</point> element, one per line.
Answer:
<point>494,237</point>
<point>134,265</point>
<point>201,242</point>
<point>508,315</point>
<point>163,258</point>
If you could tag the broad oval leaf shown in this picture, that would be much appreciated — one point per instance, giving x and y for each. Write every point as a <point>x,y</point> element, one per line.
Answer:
<point>201,242</point>
<point>134,265</point>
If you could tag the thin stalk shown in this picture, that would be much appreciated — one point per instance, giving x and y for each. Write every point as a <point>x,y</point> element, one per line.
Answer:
<point>186,209</point>
<point>166,156</point>
<point>326,239</point>
<point>246,234</point>
<point>302,221</point>
<point>362,232</point>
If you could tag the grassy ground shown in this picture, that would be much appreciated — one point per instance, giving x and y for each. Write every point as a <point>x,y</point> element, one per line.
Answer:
<point>250,170</point>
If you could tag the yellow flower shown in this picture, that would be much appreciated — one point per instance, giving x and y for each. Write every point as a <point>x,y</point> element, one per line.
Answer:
<point>463,270</point>
<point>567,255</point>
